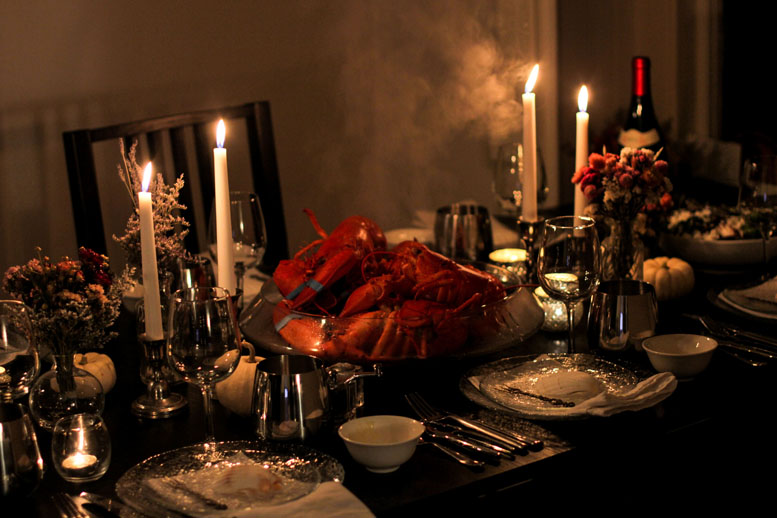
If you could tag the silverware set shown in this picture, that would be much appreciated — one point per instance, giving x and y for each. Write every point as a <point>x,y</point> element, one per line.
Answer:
<point>468,440</point>
<point>738,340</point>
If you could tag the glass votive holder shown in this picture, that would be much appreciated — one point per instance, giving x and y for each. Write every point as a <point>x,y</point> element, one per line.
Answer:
<point>556,312</point>
<point>511,259</point>
<point>81,447</point>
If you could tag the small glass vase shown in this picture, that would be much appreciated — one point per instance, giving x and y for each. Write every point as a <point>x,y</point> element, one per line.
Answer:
<point>623,253</point>
<point>65,390</point>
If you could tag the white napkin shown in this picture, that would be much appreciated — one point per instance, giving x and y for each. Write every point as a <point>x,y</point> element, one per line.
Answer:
<point>330,499</point>
<point>759,300</point>
<point>644,394</point>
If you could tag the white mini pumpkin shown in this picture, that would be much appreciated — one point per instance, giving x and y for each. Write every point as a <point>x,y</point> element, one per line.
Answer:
<point>670,276</point>
<point>100,366</point>
<point>236,392</point>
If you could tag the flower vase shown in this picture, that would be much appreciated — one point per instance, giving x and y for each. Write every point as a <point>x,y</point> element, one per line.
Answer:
<point>65,390</point>
<point>623,253</point>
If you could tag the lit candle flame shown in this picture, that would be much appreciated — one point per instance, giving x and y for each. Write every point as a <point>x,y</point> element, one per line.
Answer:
<point>532,79</point>
<point>221,133</point>
<point>582,99</point>
<point>146,177</point>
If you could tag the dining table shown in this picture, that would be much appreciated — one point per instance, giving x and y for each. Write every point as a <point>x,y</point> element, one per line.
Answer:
<point>709,443</point>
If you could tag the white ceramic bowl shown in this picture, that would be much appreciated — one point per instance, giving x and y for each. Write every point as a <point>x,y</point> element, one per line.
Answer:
<point>381,443</point>
<point>683,355</point>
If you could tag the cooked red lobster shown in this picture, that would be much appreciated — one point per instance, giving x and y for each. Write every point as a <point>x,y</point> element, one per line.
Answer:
<point>397,304</point>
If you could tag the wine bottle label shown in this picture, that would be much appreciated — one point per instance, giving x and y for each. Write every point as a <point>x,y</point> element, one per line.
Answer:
<point>636,139</point>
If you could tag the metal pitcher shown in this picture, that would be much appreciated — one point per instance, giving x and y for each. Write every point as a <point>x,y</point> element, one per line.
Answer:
<point>293,395</point>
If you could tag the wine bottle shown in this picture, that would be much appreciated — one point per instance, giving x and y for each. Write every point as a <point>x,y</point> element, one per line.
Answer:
<point>641,129</point>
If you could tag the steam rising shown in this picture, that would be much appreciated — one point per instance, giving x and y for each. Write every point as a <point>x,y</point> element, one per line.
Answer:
<point>429,92</point>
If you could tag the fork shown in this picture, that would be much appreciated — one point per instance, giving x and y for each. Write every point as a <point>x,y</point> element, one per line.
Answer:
<point>67,506</point>
<point>716,328</point>
<point>428,412</point>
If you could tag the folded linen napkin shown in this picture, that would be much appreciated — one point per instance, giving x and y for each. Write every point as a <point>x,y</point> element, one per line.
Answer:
<point>330,499</point>
<point>591,398</point>
<point>759,300</point>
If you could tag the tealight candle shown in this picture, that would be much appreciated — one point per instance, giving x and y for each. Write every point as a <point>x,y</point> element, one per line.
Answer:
<point>80,447</point>
<point>556,311</point>
<point>78,461</point>
<point>512,259</point>
<point>508,255</point>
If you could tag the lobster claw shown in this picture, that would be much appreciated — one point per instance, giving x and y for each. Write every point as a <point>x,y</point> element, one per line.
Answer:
<point>329,272</point>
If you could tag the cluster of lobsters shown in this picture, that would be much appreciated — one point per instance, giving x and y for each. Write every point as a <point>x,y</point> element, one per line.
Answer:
<point>346,296</point>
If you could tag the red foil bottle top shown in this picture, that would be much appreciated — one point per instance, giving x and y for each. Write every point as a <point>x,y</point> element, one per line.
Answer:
<point>640,66</point>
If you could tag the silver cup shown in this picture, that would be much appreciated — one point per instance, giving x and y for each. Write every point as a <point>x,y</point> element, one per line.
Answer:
<point>463,231</point>
<point>623,313</point>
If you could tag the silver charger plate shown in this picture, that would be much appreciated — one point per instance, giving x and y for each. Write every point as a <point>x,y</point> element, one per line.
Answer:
<point>298,471</point>
<point>481,384</point>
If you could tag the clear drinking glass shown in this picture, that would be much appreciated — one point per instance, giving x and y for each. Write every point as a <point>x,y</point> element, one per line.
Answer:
<point>758,193</point>
<point>249,236</point>
<point>570,263</point>
<point>202,341</point>
<point>18,353</point>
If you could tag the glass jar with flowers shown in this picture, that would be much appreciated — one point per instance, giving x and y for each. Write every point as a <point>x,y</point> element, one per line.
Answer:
<point>624,190</point>
<point>74,303</point>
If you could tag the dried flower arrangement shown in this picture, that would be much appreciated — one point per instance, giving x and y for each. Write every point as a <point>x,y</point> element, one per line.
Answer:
<point>622,186</point>
<point>74,303</point>
<point>170,228</point>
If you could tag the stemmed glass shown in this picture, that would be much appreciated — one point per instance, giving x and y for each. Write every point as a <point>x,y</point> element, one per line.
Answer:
<point>759,195</point>
<point>249,236</point>
<point>569,266</point>
<point>18,354</point>
<point>203,342</point>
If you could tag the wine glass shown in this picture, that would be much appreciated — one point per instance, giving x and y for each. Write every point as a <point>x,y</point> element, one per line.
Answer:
<point>202,342</point>
<point>759,195</point>
<point>249,236</point>
<point>18,354</point>
<point>507,184</point>
<point>569,266</point>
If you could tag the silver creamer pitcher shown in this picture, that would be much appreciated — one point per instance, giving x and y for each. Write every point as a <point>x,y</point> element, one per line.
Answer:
<point>294,395</point>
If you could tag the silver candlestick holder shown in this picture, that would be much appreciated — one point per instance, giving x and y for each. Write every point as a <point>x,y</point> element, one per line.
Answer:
<point>158,402</point>
<point>529,232</point>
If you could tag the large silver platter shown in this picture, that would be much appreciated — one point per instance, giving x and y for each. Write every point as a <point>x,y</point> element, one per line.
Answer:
<point>488,328</point>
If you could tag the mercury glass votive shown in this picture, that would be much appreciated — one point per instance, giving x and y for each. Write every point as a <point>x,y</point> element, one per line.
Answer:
<point>511,259</point>
<point>556,312</point>
<point>81,447</point>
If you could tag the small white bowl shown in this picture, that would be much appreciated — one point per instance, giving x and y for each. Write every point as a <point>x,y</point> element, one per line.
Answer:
<point>683,355</point>
<point>381,443</point>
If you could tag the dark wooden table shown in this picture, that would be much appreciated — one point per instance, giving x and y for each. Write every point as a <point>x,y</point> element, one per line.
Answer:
<point>711,441</point>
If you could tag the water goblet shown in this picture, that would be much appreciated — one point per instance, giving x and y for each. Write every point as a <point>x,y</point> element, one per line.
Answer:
<point>18,353</point>
<point>569,266</point>
<point>202,342</point>
<point>249,236</point>
<point>758,194</point>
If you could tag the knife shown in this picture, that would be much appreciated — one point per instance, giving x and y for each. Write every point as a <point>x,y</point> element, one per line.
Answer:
<point>495,433</point>
<point>496,444</point>
<point>466,443</point>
